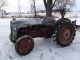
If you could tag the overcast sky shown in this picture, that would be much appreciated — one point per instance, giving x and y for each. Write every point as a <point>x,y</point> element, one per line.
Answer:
<point>25,5</point>
<point>12,5</point>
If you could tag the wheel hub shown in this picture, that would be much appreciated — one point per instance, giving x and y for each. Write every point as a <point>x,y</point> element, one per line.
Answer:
<point>65,35</point>
<point>24,45</point>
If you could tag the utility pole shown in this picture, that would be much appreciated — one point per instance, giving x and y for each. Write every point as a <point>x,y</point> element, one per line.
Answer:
<point>19,8</point>
<point>33,8</point>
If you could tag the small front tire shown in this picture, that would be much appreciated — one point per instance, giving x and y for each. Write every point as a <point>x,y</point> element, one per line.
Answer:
<point>24,45</point>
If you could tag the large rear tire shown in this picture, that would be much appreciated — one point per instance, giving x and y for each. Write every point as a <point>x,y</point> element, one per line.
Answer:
<point>65,33</point>
<point>24,45</point>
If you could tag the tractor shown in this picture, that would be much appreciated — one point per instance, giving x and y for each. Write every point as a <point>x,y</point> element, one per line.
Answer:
<point>24,30</point>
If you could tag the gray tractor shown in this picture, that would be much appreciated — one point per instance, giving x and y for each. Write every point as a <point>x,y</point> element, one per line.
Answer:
<point>24,30</point>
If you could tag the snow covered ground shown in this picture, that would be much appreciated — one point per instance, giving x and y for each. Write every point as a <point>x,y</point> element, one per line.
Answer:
<point>44,49</point>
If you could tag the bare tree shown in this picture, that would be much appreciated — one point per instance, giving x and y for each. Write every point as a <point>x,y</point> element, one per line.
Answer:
<point>64,5</point>
<point>49,4</point>
<point>60,4</point>
<point>3,3</point>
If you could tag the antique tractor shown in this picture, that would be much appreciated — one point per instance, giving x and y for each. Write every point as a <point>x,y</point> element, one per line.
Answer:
<point>23,31</point>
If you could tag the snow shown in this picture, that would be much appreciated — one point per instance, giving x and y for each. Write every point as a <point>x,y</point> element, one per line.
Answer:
<point>44,49</point>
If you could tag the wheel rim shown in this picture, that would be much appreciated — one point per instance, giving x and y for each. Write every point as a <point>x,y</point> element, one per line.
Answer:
<point>24,45</point>
<point>66,34</point>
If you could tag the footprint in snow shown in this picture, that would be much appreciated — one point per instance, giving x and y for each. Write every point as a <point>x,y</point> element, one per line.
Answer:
<point>10,57</point>
<point>0,53</point>
<point>50,49</point>
<point>57,54</point>
<point>41,56</point>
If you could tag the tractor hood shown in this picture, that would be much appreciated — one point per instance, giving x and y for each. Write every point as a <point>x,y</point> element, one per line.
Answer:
<point>25,21</point>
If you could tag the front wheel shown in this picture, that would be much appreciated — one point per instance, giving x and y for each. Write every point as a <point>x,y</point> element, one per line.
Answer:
<point>24,45</point>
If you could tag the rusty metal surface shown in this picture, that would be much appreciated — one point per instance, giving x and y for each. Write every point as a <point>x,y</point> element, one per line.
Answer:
<point>38,27</point>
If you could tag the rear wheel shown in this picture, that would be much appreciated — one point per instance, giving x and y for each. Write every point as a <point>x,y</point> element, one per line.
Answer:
<point>24,45</point>
<point>65,34</point>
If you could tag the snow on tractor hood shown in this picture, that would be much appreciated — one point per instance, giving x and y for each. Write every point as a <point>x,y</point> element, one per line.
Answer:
<point>25,22</point>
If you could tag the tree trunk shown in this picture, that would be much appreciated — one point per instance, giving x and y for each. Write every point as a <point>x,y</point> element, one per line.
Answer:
<point>48,12</point>
<point>48,7</point>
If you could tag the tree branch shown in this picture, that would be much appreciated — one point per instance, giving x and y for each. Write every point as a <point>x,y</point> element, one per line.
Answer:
<point>2,3</point>
<point>45,4</point>
<point>53,4</point>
